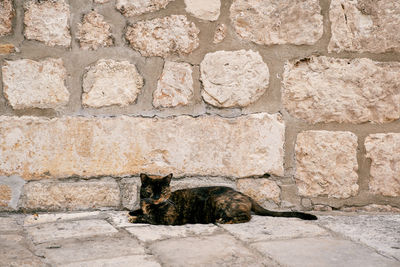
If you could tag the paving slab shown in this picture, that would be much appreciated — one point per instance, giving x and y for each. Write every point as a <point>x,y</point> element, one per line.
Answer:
<point>126,261</point>
<point>216,250</point>
<point>381,232</point>
<point>150,233</point>
<point>61,252</point>
<point>270,228</point>
<point>9,224</point>
<point>13,252</point>
<point>120,219</point>
<point>75,229</point>
<point>327,252</point>
<point>55,217</point>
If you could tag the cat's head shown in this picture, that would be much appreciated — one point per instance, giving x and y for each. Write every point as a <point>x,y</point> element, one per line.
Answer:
<point>155,189</point>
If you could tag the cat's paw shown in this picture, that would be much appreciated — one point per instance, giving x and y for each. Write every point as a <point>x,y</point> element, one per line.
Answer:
<point>132,219</point>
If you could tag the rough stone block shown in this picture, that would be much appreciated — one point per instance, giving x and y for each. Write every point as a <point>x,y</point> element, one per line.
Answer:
<point>384,151</point>
<point>111,82</point>
<point>6,16</point>
<point>38,148</point>
<point>74,195</point>
<point>130,8</point>
<point>205,9</point>
<point>10,191</point>
<point>220,33</point>
<point>35,84</point>
<point>130,193</point>
<point>163,36</point>
<point>6,49</point>
<point>94,32</point>
<point>365,26</point>
<point>175,86</point>
<point>5,195</point>
<point>48,22</point>
<point>326,164</point>
<point>269,22</point>
<point>261,190</point>
<point>323,89</point>
<point>233,78</point>
<point>9,224</point>
<point>13,252</point>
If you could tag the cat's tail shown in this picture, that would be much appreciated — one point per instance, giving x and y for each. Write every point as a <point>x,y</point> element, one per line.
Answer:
<point>258,210</point>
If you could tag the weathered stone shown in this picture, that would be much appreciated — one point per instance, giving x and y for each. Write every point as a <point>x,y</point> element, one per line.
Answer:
<point>220,33</point>
<point>262,228</point>
<point>384,151</point>
<point>380,232</point>
<point>192,182</point>
<point>326,164</point>
<point>6,49</point>
<point>62,252</point>
<point>365,26</point>
<point>76,229</point>
<point>137,260</point>
<point>323,89</point>
<point>48,22</point>
<point>9,224</point>
<point>35,84</point>
<point>130,8</point>
<point>175,86</point>
<point>13,252</point>
<point>322,252</point>
<point>233,78</point>
<point>111,82</point>
<point>94,32</point>
<point>151,233</point>
<point>215,251</point>
<point>205,9</point>
<point>371,208</point>
<point>120,219</point>
<point>5,195</point>
<point>101,1</point>
<point>37,148</point>
<point>163,36</point>
<point>40,218</point>
<point>129,193</point>
<point>270,22</point>
<point>6,16</point>
<point>261,190</point>
<point>76,195</point>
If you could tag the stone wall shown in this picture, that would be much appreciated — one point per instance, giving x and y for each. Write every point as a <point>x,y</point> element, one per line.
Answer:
<point>296,103</point>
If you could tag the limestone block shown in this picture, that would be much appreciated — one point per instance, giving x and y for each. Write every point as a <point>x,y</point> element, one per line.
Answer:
<point>48,22</point>
<point>111,82</point>
<point>130,8</point>
<point>323,89</point>
<point>6,16</point>
<point>220,33</point>
<point>205,9</point>
<point>163,36</point>
<point>5,195</point>
<point>233,78</point>
<point>35,84</point>
<point>130,193</point>
<point>175,86</point>
<point>365,26</point>
<point>94,32</point>
<point>384,151</point>
<point>326,164</point>
<point>261,190</point>
<point>101,1</point>
<point>76,195</point>
<point>269,22</point>
<point>37,148</point>
<point>6,49</point>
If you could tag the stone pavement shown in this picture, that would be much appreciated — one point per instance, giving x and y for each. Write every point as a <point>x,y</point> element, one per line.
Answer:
<point>107,239</point>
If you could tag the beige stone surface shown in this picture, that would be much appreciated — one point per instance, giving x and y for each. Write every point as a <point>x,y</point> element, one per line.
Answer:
<point>109,82</point>
<point>261,190</point>
<point>6,49</point>
<point>6,16</point>
<point>205,9</point>
<point>48,22</point>
<point>175,86</point>
<point>37,148</point>
<point>269,22</point>
<point>40,218</point>
<point>233,78</point>
<point>324,89</point>
<point>5,195</point>
<point>35,84</point>
<point>101,1</point>
<point>94,32</point>
<point>326,164</point>
<point>384,151</point>
<point>163,36</point>
<point>130,193</point>
<point>220,33</point>
<point>74,195</point>
<point>372,208</point>
<point>130,8</point>
<point>365,26</point>
<point>138,260</point>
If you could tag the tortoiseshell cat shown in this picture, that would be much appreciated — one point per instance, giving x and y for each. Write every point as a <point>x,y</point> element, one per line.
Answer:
<point>216,204</point>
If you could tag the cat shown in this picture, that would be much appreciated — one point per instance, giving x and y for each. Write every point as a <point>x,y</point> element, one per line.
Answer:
<point>215,204</point>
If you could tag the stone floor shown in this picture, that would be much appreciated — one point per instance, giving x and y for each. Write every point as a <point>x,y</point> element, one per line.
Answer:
<point>107,239</point>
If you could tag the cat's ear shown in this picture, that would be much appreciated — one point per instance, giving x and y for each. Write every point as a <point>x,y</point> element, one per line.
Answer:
<point>168,178</point>
<point>143,177</point>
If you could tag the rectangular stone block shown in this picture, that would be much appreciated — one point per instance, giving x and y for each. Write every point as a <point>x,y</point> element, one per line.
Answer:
<point>73,195</point>
<point>37,148</point>
<point>384,151</point>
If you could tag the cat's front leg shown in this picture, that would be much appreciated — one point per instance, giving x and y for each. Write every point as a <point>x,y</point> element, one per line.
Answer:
<point>139,219</point>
